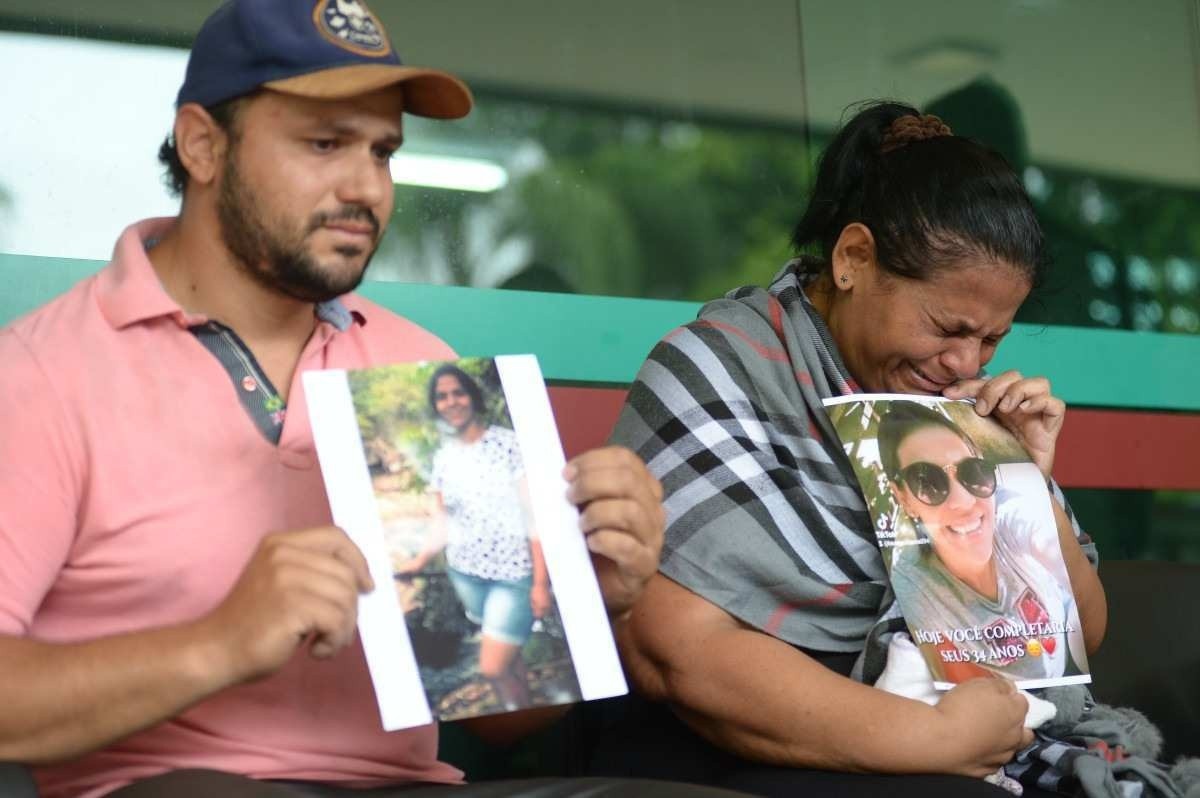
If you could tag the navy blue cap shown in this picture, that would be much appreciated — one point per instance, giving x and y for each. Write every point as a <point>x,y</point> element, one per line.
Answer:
<point>328,49</point>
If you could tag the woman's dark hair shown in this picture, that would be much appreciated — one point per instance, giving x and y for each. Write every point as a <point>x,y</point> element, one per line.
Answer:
<point>930,204</point>
<point>903,419</point>
<point>176,176</point>
<point>467,382</point>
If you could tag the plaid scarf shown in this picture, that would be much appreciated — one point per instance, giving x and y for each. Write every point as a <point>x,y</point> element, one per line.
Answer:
<point>764,515</point>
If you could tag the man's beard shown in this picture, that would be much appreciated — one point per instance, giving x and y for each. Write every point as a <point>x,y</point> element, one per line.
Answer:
<point>276,256</point>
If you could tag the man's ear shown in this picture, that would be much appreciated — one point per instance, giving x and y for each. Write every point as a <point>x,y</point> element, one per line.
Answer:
<point>853,257</point>
<point>201,143</point>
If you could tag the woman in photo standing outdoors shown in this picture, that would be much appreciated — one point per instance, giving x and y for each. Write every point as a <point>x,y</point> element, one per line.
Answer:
<point>494,562</point>
<point>771,614</point>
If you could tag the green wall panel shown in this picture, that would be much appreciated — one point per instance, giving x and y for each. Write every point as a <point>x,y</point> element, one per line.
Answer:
<point>604,339</point>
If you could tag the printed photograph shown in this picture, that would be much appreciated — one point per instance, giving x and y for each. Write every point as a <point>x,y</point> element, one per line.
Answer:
<point>969,539</point>
<point>468,566</point>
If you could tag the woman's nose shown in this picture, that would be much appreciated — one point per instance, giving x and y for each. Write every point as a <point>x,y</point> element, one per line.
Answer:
<point>964,358</point>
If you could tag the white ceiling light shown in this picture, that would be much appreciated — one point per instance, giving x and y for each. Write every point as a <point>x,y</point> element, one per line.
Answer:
<point>949,57</point>
<point>446,171</point>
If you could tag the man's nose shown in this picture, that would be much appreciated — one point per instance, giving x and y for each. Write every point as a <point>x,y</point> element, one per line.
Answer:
<point>365,182</point>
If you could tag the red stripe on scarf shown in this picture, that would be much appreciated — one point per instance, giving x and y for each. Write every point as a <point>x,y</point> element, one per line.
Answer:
<point>673,333</point>
<point>768,352</point>
<point>834,593</point>
<point>776,311</point>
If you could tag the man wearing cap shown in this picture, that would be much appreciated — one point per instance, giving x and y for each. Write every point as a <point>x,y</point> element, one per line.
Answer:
<point>177,613</point>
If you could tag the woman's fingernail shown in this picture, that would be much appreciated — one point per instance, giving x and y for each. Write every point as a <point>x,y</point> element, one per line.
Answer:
<point>981,407</point>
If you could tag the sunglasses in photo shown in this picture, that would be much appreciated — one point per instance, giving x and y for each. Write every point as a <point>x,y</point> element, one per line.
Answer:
<point>931,483</point>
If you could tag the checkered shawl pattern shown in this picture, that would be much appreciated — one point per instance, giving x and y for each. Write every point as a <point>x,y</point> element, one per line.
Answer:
<point>764,515</point>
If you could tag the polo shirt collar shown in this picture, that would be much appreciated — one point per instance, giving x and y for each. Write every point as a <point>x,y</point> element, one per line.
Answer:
<point>129,291</point>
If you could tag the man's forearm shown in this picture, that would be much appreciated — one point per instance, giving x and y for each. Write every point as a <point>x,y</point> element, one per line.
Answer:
<point>64,700</point>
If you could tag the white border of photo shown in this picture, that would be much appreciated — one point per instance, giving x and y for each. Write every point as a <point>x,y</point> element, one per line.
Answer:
<point>389,653</point>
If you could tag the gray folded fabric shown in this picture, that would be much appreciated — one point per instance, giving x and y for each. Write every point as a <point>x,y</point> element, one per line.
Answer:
<point>1096,751</point>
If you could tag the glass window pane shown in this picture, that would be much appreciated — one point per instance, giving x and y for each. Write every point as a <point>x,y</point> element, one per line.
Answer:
<point>1094,101</point>
<point>623,148</point>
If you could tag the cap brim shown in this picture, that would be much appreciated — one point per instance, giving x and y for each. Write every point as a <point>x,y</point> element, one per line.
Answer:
<point>427,92</point>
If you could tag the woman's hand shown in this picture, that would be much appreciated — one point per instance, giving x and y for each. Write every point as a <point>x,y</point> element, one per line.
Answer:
<point>1024,405</point>
<point>983,728</point>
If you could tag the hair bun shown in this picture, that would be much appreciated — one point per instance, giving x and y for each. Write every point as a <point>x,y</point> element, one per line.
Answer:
<point>907,129</point>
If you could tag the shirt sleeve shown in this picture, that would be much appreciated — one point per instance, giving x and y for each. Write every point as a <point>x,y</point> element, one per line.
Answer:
<point>1017,519</point>
<point>41,479</point>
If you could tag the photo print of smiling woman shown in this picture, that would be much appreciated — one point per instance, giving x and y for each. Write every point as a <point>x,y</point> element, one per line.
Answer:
<point>452,492</point>
<point>968,537</point>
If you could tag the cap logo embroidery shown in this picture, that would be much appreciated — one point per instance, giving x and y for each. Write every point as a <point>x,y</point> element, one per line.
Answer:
<point>350,25</point>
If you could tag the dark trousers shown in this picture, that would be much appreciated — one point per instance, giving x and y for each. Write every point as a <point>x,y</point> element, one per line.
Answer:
<point>211,783</point>
<point>646,740</point>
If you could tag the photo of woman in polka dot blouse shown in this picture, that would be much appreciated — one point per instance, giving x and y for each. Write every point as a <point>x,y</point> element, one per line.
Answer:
<point>482,522</point>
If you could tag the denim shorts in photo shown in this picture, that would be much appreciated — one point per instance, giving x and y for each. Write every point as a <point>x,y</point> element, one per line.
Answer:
<point>501,606</point>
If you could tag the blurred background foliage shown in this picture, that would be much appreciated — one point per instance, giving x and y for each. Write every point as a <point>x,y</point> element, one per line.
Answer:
<point>399,429</point>
<point>637,203</point>
<point>609,202</point>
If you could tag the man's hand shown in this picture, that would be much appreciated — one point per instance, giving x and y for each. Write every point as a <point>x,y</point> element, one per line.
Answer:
<point>299,587</point>
<point>621,514</point>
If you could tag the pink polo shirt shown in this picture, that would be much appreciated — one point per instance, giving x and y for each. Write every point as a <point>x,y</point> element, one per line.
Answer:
<point>134,488</point>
